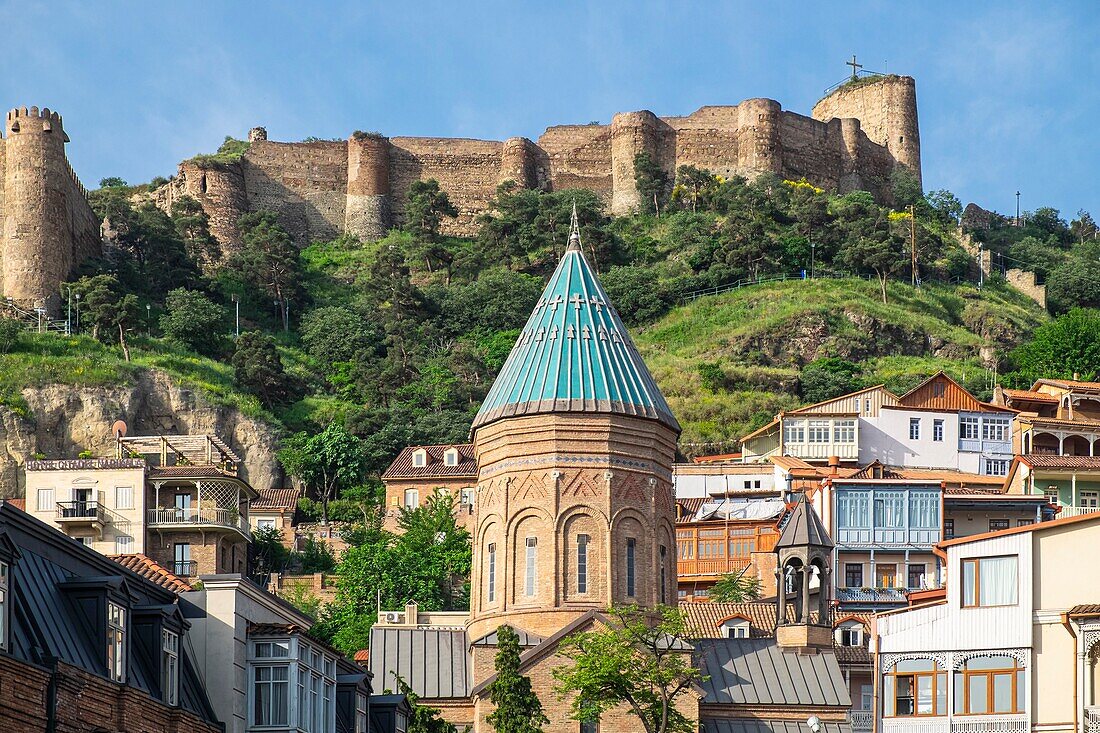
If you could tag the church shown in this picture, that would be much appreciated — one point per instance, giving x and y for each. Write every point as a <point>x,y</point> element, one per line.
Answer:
<point>574,513</point>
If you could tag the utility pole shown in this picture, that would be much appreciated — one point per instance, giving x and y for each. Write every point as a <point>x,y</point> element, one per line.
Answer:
<point>1017,208</point>
<point>913,241</point>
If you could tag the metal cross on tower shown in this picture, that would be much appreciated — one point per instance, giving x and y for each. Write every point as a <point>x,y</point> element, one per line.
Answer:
<point>855,67</point>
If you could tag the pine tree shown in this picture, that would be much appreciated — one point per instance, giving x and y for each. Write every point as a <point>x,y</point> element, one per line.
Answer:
<point>518,709</point>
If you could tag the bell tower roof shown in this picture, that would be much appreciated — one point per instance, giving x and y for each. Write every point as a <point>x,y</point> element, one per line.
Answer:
<point>804,529</point>
<point>574,355</point>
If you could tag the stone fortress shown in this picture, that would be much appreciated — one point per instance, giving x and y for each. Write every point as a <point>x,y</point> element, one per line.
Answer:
<point>854,139</point>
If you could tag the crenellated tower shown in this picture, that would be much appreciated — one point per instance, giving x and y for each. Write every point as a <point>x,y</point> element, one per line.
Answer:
<point>575,445</point>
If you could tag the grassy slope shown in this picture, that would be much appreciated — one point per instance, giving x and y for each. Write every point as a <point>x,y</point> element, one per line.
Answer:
<point>758,336</point>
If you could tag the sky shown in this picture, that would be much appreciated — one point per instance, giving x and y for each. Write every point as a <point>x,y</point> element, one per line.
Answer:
<point>1008,93</point>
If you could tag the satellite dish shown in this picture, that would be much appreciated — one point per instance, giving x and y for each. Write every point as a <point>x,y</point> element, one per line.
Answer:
<point>119,429</point>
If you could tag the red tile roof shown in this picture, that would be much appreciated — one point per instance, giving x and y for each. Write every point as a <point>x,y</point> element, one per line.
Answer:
<point>20,504</point>
<point>1085,609</point>
<point>1045,460</point>
<point>275,499</point>
<point>150,569</point>
<point>1028,396</point>
<point>1068,383</point>
<point>362,656</point>
<point>402,466</point>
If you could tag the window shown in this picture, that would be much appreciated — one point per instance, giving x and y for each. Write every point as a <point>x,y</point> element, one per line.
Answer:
<point>589,726</point>
<point>937,430</point>
<point>492,571</point>
<point>844,431</point>
<point>992,684</point>
<point>450,458</point>
<point>420,458</point>
<point>948,528</point>
<point>270,649</point>
<point>466,496</point>
<point>914,428</point>
<point>794,431</point>
<point>968,428</point>
<point>116,641</point>
<point>1024,522</point>
<point>736,628</point>
<point>1051,493</point>
<point>4,605</point>
<point>531,567</point>
<point>664,555</point>
<point>849,634</point>
<point>183,502</point>
<point>630,566</point>
<point>124,544</point>
<point>915,687</point>
<point>169,666</point>
<point>853,575</point>
<point>989,581</point>
<point>938,389</point>
<point>182,560</point>
<point>867,405</point>
<point>86,540</point>
<point>886,575</point>
<point>924,510</point>
<point>916,575</point>
<point>265,524</point>
<point>45,500</point>
<point>582,563</point>
<point>997,524</point>
<point>995,428</point>
<point>889,509</point>
<point>752,484</point>
<point>996,467</point>
<point>412,498</point>
<point>852,510</point>
<point>124,497</point>
<point>819,431</point>
<point>270,695</point>
<point>866,697</point>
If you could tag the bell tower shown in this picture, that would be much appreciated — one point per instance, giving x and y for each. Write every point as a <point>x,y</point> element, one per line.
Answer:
<point>804,549</point>
<point>575,444</point>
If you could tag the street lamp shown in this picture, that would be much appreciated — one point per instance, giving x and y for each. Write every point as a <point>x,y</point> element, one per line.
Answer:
<point>237,316</point>
<point>1017,208</point>
<point>149,319</point>
<point>813,258</point>
<point>76,327</point>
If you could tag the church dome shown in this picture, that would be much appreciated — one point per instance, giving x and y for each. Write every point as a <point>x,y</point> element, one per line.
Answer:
<point>574,355</point>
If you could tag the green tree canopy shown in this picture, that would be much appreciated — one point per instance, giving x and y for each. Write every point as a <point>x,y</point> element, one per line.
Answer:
<point>258,369</point>
<point>326,462</point>
<point>104,305</point>
<point>1068,345</point>
<point>517,707</point>
<point>269,260</point>
<point>829,377</point>
<point>736,588</point>
<point>195,321</point>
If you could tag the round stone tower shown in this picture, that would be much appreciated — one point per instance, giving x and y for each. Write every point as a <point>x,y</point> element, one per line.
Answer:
<point>37,232</point>
<point>368,213</point>
<point>631,133</point>
<point>517,162</point>
<point>575,445</point>
<point>758,146</point>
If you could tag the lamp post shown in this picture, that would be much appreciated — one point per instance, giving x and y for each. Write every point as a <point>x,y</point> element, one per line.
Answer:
<point>813,258</point>
<point>1017,208</point>
<point>77,324</point>
<point>149,319</point>
<point>69,312</point>
<point>237,316</point>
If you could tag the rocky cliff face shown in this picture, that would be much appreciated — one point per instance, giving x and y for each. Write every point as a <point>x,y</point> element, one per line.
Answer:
<point>66,420</point>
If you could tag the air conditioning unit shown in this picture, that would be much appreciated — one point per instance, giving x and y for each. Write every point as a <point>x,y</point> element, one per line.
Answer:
<point>393,618</point>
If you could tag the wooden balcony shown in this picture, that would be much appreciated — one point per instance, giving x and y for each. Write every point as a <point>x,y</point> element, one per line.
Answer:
<point>714,549</point>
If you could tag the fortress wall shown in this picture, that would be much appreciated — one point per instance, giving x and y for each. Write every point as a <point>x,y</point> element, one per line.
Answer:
<point>220,190</point>
<point>468,170</point>
<point>808,151</point>
<point>3,217</point>
<point>579,157</point>
<point>887,111</point>
<point>304,183</point>
<point>712,150</point>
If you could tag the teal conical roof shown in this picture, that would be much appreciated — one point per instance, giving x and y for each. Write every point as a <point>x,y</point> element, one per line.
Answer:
<point>574,355</point>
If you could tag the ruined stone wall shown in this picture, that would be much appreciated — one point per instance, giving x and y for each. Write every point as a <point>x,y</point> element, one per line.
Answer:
<point>887,111</point>
<point>48,227</point>
<point>579,157</point>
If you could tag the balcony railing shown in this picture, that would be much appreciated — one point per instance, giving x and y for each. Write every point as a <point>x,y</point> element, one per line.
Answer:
<point>1076,511</point>
<point>1092,720</point>
<point>822,450</point>
<point>185,568</point>
<point>204,516</point>
<point>990,724</point>
<point>871,595</point>
<point>862,720</point>
<point>77,511</point>
<point>916,725</point>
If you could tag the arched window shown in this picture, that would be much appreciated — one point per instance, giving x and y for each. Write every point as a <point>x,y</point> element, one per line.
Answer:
<point>990,685</point>
<point>664,590</point>
<point>915,687</point>
<point>531,567</point>
<point>492,590</point>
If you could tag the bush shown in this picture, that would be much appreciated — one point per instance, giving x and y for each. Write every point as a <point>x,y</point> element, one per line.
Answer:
<point>317,557</point>
<point>829,377</point>
<point>637,294</point>
<point>195,321</point>
<point>9,334</point>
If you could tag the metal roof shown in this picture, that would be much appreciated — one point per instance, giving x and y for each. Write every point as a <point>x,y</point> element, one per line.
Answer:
<point>757,725</point>
<point>804,528</point>
<point>574,355</point>
<point>526,639</point>
<point>432,661</point>
<point>760,672</point>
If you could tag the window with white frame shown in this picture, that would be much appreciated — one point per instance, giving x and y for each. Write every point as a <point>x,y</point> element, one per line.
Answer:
<point>124,497</point>
<point>889,509</point>
<point>124,544</point>
<point>492,572</point>
<point>736,628</point>
<point>866,405</point>
<point>312,671</point>
<point>937,430</point>
<point>995,429</point>
<point>267,523</point>
<point>116,641</point>
<point>914,428</point>
<point>450,458</point>
<point>45,500</point>
<point>996,466</point>
<point>466,496</point>
<point>818,431</point>
<point>968,428</point>
<point>270,693</point>
<point>852,509</point>
<point>420,458</point>
<point>412,498</point>
<point>794,431</point>
<point>1052,494</point>
<point>5,585</point>
<point>361,725</point>
<point>849,633</point>
<point>844,431</point>
<point>169,666</point>
<point>531,567</point>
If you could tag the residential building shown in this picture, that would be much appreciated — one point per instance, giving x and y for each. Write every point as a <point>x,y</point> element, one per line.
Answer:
<point>275,508</point>
<point>717,479</point>
<point>1071,483</point>
<point>263,670</point>
<point>421,471</point>
<point>176,498</point>
<point>1056,417</point>
<point>87,644</point>
<point>1008,646</point>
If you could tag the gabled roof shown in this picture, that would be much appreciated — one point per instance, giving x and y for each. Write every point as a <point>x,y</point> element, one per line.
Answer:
<point>1065,463</point>
<point>150,569</point>
<point>760,672</point>
<point>574,355</point>
<point>435,466</point>
<point>875,388</point>
<point>273,499</point>
<point>1070,384</point>
<point>804,528</point>
<point>1027,395</point>
<point>955,398</point>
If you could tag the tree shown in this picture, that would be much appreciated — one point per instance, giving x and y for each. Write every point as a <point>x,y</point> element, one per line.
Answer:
<point>430,537</point>
<point>325,462</point>
<point>1068,345</point>
<point>422,719</point>
<point>9,334</point>
<point>736,588</point>
<point>424,211</point>
<point>106,307</point>
<point>640,659</point>
<point>651,181</point>
<point>269,260</point>
<point>258,369</point>
<point>1076,282</point>
<point>637,293</point>
<point>828,377</point>
<point>694,186</point>
<point>877,250</point>
<point>195,321</point>
<point>338,334</point>
<point>112,182</point>
<point>193,226</point>
<point>267,552</point>
<point>518,709</point>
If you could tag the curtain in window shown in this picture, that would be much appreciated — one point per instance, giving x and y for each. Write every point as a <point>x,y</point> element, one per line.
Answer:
<point>853,510</point>
<point>998,581</point>
<point>924,510</point>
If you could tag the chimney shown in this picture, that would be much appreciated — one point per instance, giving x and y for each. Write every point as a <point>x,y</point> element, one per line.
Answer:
<point>1076,377</point>
<point>834,464</point>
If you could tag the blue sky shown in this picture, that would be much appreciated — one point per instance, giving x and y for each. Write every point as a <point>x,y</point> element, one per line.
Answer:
<point>1008,93</point>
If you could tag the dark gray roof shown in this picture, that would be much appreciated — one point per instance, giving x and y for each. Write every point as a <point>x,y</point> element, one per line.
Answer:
<point>525,639</point>
<point>753,725</point>
<point>759,672</point>
<point>433,662</point>
<point>804,528</point>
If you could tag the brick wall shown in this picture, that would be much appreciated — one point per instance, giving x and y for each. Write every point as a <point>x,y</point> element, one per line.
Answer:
<point>84,702</point>
<point>212,552</point>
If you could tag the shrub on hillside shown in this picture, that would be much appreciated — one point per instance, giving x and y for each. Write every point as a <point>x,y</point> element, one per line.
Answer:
<point>195,321</point>
<point>829,377</point>
<point>9,334</point>
<point>637,293</point>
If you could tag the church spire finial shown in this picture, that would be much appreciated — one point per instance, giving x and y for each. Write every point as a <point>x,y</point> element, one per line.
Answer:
<point>574,232</point>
